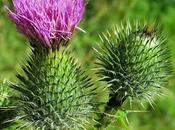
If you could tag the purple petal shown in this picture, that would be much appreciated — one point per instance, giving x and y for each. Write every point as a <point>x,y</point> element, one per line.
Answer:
<point>47,21</point>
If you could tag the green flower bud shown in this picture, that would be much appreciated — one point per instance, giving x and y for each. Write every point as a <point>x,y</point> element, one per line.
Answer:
<point>134,61</point>
<point>54,93</point>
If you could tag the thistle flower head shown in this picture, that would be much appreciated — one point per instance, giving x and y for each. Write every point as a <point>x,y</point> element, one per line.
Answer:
<point>47,21</point>
<point>134,61</point>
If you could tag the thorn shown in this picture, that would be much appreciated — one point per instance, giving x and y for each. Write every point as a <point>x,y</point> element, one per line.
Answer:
<point>80,29</point>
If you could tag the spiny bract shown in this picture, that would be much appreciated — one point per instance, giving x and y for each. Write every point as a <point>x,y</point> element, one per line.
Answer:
<point>134,61</point>
<point>54,93</point>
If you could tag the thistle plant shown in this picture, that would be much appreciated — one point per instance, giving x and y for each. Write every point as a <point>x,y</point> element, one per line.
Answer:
<point>134,61</point>
<point>53,92</point>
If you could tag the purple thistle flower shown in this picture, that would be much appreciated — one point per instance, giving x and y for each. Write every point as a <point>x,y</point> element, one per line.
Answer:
<point>47,21</point>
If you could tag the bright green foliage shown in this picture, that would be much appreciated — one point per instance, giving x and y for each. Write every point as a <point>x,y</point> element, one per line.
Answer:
<point>4,93</point>
<point>54,94</point>
<point>6,108</point>
<point>134,61</point>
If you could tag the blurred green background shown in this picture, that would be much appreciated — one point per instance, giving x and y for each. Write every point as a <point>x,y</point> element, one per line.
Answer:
<point>101,15</point>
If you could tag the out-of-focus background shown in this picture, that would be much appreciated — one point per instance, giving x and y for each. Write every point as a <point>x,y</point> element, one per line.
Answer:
<point>101,15</point>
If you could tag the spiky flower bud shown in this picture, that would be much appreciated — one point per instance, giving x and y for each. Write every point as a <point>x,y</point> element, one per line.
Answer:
<point>134,61</point>
<point>54,93</point>
<point>47,21</point>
